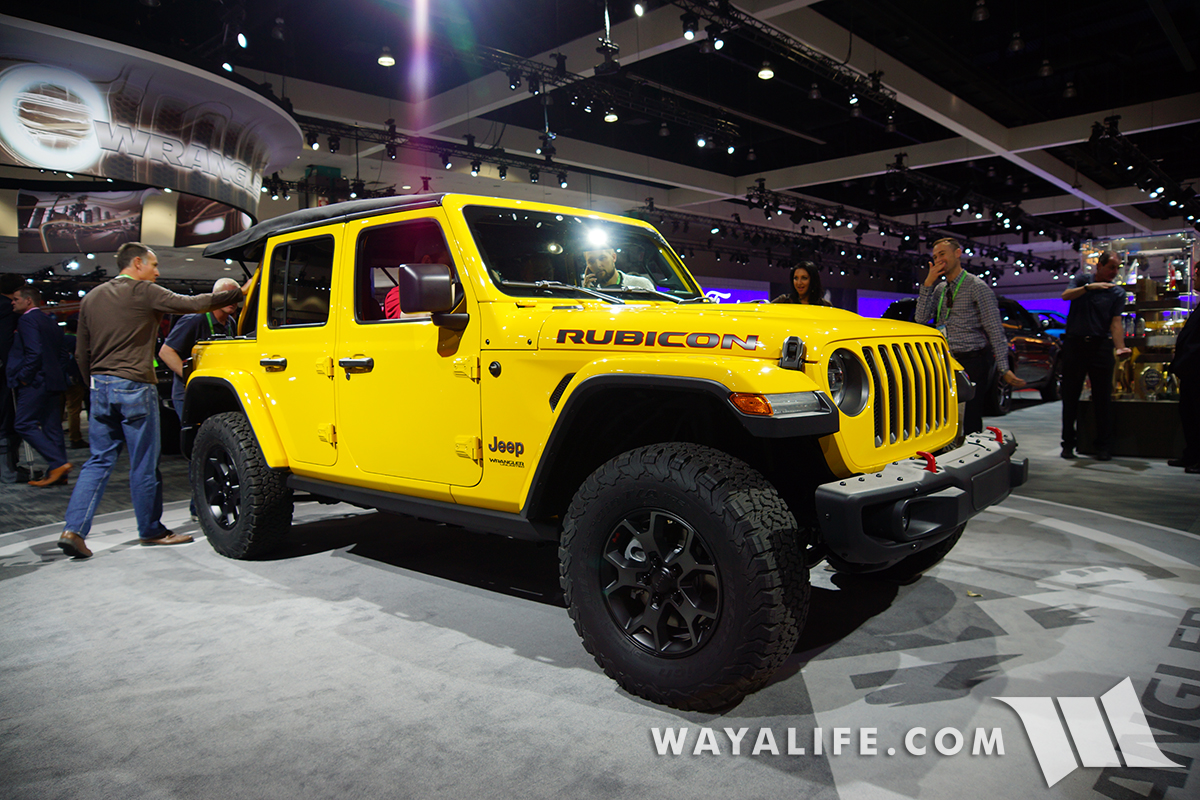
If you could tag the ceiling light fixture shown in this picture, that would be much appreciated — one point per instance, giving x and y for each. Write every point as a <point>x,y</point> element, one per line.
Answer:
<point>814,93</point>
<point>386,59</point>
<point>663,130</point>
<point>562,180</point>
<point>475,167</point>
<point>1069,91</point>
<point>611,115</point>
<point>514,80</point>
<point>533,176</point>
<point>981,13</point>
<point>502,171</point>
<point>446,161</point>
<point>765,72</point>
<point>391,150</point>
<point>714,35</point>
<point>1017,44</point>
<point>639,9</point>
<point>335,143</point>
<point>751,155</point>
<point>1046,70</point>
<point>690,25</point>
<point>890,127</point>
<point>701,141</point>
<point>313,142</point>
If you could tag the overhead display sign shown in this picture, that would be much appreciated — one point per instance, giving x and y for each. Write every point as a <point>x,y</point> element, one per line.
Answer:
<point>74,103</point>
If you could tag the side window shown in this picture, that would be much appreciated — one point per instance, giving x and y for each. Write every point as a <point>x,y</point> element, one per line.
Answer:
<point>298,283</point>
<point>380,252</point>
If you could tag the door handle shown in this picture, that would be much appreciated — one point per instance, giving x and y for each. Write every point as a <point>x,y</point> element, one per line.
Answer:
<point>357,365</point>
<point>276,364</point>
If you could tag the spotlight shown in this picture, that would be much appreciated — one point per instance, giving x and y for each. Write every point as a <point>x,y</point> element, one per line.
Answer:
<point>1017,44</point>
<point>446,161</point>
<point>765,72</point>
<point>225,65</point>
<point>335,143</point>
<point>639,9</point>
<point>853,99</point>
<point>1069,92</point>
<point>1046,70</point>
<point>981,11</point>
<point>391,150</point>
<point>611,115</point>
<point>815,92</point>
<point>535,85</point>
<point>714,35</point>
<point>701,142</point>
<point>502,171</point>
<point>562,180</point>
<point>730,150</point>
<point>890,127</point>
<point>663,130</point>
<point>514,80</point>
<point>751,155</point>
<point>313,142</point>
<point>690,25</point>
<point>279,32</point>
<point>855,111</point>
<point>533,176</point>
<point>475,167</point>
<point>356,189</point>
<point>386,59</point>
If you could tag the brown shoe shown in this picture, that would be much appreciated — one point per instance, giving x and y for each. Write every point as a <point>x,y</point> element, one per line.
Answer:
<point>169,538</point>
<point>55,477</point>
<point>72,544</point>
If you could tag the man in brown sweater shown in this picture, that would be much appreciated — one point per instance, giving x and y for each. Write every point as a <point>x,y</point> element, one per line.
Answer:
<point>118,328</point>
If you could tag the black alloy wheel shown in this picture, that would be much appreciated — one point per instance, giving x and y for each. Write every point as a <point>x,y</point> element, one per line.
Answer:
<point>661,585</point>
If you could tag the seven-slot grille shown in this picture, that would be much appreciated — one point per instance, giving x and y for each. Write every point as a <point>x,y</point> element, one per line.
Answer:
<point>910,386</point>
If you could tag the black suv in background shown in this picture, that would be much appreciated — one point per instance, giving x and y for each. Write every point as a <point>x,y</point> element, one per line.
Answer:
<point>1033,354</point>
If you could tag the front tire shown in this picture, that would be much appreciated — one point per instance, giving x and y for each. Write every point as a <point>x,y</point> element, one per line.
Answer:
<point>245,507</point>
<point>684,576</point>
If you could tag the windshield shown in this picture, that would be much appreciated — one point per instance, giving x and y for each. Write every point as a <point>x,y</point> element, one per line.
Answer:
<point>538,254</point>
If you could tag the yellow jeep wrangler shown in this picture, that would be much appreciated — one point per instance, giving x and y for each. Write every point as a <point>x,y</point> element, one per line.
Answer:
<point>551,373</point>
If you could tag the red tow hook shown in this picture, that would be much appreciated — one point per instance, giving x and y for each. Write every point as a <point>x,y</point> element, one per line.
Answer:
<point>999,434</point>
<point>930,462</point>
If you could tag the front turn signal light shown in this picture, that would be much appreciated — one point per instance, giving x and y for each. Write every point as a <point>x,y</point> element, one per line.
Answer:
<point>755,404</point>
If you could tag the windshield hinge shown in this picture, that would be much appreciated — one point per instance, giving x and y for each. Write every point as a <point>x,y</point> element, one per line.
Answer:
<point>327,433</point>
<point>469,447</point>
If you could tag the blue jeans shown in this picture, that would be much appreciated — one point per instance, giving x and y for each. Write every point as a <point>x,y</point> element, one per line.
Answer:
<point>124,412</point>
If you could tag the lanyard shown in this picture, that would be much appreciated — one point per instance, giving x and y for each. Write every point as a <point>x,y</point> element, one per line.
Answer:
<point>953,297</point>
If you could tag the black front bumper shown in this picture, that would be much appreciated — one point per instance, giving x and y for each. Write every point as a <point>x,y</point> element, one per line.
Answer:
<point>875,520</point>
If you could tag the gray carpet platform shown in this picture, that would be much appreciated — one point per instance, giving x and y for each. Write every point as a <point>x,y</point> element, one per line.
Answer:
<point>378,656</point>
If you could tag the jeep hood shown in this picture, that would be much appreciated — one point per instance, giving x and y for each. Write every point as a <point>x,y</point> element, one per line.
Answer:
<point>753,330</point>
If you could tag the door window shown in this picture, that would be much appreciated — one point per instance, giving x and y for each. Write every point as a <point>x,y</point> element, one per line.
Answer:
<point>380,253</point>
<point>298,283</point>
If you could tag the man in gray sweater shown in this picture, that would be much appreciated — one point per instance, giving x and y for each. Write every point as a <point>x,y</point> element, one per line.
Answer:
<point>118,329</point>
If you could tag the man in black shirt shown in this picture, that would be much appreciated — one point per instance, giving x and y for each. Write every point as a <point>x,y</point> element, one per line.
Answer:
<point>1186,367</point>
<point>1093,327</point>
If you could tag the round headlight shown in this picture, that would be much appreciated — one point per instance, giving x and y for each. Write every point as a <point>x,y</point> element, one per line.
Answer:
<point>848,385</point>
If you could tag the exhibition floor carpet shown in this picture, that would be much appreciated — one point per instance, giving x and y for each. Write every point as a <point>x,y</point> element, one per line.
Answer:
<point>378,656</point>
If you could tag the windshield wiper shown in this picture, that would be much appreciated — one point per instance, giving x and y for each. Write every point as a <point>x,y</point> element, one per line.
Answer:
<point>645,292</point>
<point>700,298</point>
<point>559,286</point>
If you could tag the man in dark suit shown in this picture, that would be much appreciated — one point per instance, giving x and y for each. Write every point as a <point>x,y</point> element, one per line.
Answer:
<point>37,368</point>
<point>1186,367</point>
<point>10,443</point>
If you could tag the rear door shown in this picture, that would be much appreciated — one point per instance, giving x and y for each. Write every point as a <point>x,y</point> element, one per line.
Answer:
<point>295,336</point>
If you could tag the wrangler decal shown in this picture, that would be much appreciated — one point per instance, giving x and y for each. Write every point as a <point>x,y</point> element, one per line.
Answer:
<point>701,340</point>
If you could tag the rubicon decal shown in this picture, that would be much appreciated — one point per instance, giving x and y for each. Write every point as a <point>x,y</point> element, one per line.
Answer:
<point>1087,730</point>
<point>697,340</point>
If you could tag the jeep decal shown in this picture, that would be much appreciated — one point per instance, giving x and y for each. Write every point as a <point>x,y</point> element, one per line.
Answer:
<point>699,340</point>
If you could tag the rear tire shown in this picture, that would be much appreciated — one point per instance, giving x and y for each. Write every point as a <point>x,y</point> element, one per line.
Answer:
<point>245,507</point>
<point>684,575</point>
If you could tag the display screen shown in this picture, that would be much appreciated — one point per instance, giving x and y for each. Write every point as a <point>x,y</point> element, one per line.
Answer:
<point>78,222</point>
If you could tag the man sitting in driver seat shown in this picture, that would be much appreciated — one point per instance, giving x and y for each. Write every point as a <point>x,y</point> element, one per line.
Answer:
<point>602,272</point>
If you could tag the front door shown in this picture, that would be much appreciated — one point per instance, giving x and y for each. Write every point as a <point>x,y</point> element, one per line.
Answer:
<point>407,390</point>
<point>295,367</point>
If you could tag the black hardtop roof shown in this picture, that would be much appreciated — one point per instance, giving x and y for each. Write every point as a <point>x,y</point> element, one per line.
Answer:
<point>250,243</point>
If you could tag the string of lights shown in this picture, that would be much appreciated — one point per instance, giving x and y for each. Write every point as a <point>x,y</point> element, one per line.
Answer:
<point>1143,172</point>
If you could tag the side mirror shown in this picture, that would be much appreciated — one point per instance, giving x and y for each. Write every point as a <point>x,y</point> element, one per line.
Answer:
<point>430,288</point>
